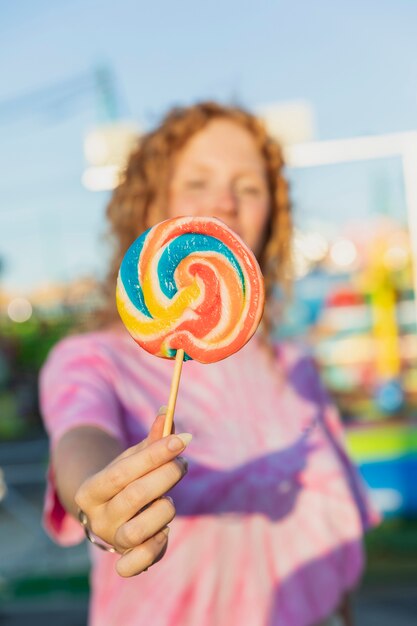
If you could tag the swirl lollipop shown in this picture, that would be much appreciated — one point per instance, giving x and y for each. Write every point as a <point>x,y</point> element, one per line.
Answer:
<point>189,288</point>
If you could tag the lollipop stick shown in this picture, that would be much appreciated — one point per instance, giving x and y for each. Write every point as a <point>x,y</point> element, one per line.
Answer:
<point>179,359</point>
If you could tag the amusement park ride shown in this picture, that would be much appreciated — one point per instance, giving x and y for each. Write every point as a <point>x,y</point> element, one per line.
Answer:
<point>364,328</point>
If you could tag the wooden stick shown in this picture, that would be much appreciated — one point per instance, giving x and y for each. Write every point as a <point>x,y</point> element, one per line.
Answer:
<point>169,417</point>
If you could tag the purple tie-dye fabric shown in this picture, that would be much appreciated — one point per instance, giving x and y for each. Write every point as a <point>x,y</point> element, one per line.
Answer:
<point>271,513</point>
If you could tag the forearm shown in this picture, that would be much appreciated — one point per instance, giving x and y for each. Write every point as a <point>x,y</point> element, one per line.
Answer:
<point>79,454</point>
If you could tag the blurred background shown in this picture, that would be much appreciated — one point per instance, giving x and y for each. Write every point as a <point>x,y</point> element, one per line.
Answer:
<point>337,84</point>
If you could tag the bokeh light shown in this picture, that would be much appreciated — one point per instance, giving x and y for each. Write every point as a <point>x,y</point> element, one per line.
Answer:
<point>343,253</point>
<point>19,310</point>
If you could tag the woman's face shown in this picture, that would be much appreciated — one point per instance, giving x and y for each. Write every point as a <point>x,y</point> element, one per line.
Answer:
<point>221,173</point>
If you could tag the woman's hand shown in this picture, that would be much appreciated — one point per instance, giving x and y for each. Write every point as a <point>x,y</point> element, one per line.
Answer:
<point>125,503</point>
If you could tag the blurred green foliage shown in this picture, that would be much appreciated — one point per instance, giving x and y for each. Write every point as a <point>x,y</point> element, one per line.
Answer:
<point>35,337</point>
<point>23,349</point>
<point>392,552</point>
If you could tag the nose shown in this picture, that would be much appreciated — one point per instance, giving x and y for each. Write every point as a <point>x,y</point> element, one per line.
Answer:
<point>225,201</point>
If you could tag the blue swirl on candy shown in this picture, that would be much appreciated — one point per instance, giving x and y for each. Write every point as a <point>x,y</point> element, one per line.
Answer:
<point>184,245</point>
<point>174,253</point>
<point>129,274</point>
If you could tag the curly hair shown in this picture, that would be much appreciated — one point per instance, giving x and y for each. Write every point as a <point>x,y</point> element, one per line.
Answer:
<point>139,201</point>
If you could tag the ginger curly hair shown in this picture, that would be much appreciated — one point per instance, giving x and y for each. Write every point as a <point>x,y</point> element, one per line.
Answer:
<point>139,200</point>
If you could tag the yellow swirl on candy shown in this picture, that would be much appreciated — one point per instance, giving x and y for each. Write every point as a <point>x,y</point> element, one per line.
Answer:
<point>190,283</point>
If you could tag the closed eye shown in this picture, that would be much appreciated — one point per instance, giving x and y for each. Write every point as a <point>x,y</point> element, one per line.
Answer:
<point>196,183</point>
<point>250,190</point>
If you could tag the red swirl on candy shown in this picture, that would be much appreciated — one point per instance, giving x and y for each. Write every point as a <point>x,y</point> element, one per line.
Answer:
<point>190,283</point>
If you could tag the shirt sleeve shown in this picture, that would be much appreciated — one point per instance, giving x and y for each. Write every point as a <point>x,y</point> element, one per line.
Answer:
<point>75,390</point>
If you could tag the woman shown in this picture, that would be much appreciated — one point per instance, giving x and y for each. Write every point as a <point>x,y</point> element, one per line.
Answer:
<point>270,517</point>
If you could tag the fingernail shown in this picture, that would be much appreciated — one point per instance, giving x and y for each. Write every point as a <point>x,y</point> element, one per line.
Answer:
<point>162,410</point>
<point>179,441</point>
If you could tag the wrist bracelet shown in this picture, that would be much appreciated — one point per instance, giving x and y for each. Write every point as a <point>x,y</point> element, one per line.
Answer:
<point>82,517</point>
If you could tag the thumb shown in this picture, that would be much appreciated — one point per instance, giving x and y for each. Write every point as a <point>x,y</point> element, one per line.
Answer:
<point>157,427</point>
<point>155,433</point>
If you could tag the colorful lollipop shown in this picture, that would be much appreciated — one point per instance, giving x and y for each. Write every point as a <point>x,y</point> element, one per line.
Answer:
<point>190,288</point>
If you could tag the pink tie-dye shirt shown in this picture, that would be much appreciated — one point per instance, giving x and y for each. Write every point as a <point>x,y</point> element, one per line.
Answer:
<point>271,513</point>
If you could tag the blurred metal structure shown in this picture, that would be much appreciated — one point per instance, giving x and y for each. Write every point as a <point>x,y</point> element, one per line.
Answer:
<point>60,99</point>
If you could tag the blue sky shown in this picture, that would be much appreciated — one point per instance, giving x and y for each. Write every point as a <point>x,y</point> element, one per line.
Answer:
<point>354,61</point>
